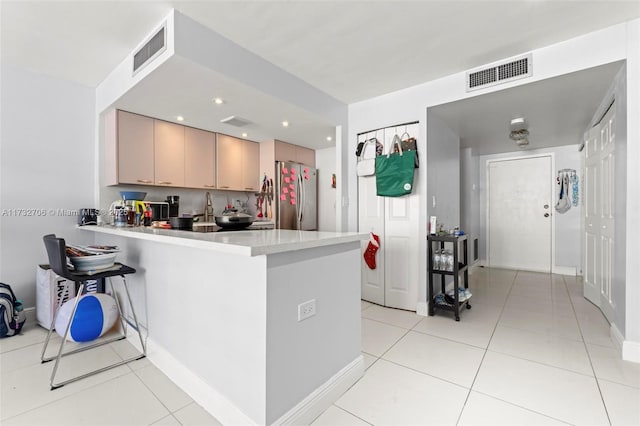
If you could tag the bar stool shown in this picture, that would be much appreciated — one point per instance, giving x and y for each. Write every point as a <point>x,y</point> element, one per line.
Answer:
<point>56,251</point>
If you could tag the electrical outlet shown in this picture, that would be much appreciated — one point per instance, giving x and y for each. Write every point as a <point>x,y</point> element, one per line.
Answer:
<point>306,309</point>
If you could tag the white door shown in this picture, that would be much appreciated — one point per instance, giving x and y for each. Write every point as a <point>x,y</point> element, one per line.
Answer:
<point>599,215</point>
<point>371,212</point>
<point>519,216</point>
<point>401,252</point>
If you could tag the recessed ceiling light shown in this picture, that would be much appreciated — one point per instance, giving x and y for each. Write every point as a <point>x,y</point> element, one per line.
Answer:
<point>218,101</point>
<point>244,135</point>
<point>329,138</point>
<point>180,118</point>
<point>285,124</point>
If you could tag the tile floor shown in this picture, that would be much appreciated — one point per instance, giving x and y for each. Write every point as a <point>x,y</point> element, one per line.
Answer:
<point>531,351</point>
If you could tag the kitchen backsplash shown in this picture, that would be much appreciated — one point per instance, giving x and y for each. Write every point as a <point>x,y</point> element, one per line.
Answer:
<point>192,201</point>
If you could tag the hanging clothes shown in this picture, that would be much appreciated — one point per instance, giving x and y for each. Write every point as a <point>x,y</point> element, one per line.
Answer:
<point>567,190</point>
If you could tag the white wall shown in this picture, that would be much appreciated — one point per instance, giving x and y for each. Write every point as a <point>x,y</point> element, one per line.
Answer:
<point>326,165</point>
<point>46,164</point>
<point>567,225</point>
<point>619,42</point>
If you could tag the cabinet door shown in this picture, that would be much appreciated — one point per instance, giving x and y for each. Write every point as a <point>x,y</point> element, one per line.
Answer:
<point>135,148</point>
<point>306,156</point>
<point>199,158</point>
<point>168,152</point>
<point>251,166</point>
<point>285,152</point>
<point>229,162</point>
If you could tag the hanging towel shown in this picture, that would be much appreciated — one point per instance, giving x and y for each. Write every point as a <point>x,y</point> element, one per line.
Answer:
<point>575,189</point>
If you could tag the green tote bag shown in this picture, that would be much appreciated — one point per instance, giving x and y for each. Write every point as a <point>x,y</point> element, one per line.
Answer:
<point>394,172</point>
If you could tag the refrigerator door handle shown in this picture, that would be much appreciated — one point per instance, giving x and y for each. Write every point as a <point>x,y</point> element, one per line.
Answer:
<point>300,202</point>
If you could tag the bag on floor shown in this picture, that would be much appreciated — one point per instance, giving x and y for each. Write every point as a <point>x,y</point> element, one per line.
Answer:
<point>12,316</point>
<point>394,172</point>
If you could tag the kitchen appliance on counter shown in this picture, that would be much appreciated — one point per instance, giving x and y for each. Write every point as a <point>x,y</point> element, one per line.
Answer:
<point>159,210</point>
<point>296,196</point>
<point>232,219</point>
<point>174,205</point>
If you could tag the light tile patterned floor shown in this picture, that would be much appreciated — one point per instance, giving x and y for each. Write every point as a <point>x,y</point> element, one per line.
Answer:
<point>531,351</point>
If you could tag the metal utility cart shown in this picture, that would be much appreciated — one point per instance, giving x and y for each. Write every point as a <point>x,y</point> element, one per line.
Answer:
<point>440,241</point>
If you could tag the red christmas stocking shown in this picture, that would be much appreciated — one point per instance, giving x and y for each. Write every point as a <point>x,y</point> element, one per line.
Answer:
<point>370,252</point>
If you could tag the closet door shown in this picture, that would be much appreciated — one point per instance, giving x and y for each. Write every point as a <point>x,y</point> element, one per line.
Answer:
<point>402,251</point>
<point>371,219</point>
<point>599,214</point>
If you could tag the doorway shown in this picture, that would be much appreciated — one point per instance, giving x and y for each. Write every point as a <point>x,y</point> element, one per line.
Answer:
<point>519,213</point>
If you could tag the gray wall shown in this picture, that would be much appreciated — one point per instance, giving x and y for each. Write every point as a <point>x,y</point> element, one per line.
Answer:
<point>46,163</point>
<point>443,172</point>
<point>470,198</point>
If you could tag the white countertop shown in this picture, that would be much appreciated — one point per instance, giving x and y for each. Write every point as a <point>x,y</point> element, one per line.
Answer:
<point>246,243</point>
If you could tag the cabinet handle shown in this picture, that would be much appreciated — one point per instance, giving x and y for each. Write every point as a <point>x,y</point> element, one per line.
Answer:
<point>209,186</point>
<point>144,181</point>
<point>163,182</point>
<point>250,189</point>
<point>224,187</point>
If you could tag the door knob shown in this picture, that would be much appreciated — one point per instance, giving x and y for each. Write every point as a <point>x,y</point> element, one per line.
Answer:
<point>546,215</point>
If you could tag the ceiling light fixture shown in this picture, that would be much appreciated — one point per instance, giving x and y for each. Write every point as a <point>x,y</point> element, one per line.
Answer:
<point>519,132</point>
<point>329,138</point>
<point>285,124</point>
<point>180,118</point>
<point>218,101</point>
<point>244,135</point>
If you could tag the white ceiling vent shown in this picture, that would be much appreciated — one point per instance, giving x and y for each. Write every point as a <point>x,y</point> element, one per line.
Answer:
<point>152,48</point>
<point>499,73</point>
<point>235,121</point>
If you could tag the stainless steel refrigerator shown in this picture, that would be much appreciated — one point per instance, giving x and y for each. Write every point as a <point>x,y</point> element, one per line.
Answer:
<point>296,196</point>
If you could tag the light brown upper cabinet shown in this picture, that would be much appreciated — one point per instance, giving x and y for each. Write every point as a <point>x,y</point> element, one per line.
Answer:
<point>134,148</point>
<point>229,162</point>
<point>145,151</point>
<point>251,166</point>
<point>168,150</point>
<point>238,163</point>
<point>199,158</point>
<point>294,153</point>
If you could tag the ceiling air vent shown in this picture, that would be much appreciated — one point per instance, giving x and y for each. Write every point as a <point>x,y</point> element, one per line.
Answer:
<point>235,121</point>
<point>152,48</point>
<point>499,73</point>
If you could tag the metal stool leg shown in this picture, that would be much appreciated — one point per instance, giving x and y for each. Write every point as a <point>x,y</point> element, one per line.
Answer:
<point>53,322</point>
<point>64,338</point>
<point>135,317</point>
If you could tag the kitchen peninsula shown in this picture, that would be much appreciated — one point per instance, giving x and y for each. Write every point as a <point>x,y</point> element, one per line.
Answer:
<point>259,327</point>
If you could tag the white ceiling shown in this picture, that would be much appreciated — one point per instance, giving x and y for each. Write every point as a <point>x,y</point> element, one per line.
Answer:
<point>352,50</point>
<point>558,110</point>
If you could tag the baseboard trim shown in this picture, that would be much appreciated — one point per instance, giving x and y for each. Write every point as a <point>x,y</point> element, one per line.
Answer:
<point>226,412</point>
<point>631,351</point>
<point>616,336</point>
<point>422,309</point>
<point>209,398</point>
<point>320,399</point>
<point>564,270</point>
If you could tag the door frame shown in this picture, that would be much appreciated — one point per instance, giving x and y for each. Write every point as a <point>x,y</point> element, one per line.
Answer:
<point>552,211</point>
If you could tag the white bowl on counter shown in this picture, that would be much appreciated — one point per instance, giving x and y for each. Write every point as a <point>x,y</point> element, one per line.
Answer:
<point>93,263</point>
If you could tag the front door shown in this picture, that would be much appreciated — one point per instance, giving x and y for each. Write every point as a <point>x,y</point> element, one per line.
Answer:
<point>519,213</point>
